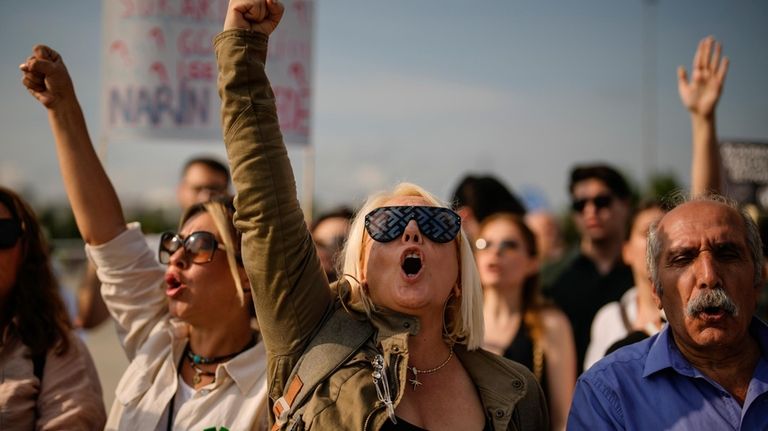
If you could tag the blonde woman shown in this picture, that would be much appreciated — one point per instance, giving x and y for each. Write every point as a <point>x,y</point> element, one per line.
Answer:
<point>409,315</point>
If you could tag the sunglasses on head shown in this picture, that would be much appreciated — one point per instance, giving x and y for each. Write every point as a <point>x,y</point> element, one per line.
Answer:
<point>10,232</point>
<point>439,224</point>
<point>483,244</point>
<point>599,201</point>
<point>199,247</point>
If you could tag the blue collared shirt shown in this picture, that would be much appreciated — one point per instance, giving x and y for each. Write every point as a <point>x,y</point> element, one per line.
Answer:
<point>651,386</point>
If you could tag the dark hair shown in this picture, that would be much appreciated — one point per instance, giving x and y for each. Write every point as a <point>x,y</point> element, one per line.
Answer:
<point>340,212</point>
<point>608,175</point>
<point>210,162</point>
<point>34,310</point>
<point>486,195</point>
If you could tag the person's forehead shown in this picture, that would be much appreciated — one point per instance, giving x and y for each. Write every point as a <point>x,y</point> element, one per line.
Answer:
<point>331,227</point>
<point>199,172</point>
<point>590,187</point>
<point>644,219</point>
<point>501,228</point>
<point>407,201</point>
<point>201,221</point>
<point>694,222</point>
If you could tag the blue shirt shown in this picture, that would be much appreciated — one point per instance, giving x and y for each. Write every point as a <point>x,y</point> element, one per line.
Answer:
<point>651,386</point>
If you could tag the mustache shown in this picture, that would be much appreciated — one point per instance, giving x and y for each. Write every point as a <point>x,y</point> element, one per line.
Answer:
<point>709,299</point>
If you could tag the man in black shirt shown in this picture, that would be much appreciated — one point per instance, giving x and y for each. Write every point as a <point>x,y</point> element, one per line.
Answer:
<point>595,274</point>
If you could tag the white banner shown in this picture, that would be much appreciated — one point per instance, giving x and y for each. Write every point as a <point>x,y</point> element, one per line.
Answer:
<point>160,72</point>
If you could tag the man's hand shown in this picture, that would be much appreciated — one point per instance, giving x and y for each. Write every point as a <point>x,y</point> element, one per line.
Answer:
<point>701,94</point>
<point>256,15</point>
<point>46,77</point>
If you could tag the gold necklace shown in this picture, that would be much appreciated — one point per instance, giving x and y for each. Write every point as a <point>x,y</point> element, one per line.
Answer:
<point>415,380</point>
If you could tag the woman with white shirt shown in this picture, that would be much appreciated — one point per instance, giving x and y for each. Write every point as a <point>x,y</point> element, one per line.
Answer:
<point>186,326</point>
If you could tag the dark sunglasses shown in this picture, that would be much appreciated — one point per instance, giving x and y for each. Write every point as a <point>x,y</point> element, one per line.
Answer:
<point>199,247</point>
<point>508,244</point>
<point>10,232</point>
<point>599,201</point>
<point>439,224</point>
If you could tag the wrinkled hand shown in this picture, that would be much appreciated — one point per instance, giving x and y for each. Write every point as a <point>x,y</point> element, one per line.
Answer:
<point>46,77</point>
<point>256,15</point>
<point>701,94</point>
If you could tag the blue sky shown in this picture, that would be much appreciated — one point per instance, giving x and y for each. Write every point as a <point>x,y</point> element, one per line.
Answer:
<point>426,91</point>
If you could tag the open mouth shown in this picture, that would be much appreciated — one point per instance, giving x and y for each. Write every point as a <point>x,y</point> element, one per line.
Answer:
<point>713,311</point>
<point>173,285</point>
<point>412,264</point>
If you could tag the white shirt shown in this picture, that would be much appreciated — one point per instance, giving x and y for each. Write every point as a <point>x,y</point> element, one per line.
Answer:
<point>608,326</point>
<point>132,281</point>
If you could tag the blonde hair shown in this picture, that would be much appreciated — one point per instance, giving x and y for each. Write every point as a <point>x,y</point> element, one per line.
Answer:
<point>463,324</point>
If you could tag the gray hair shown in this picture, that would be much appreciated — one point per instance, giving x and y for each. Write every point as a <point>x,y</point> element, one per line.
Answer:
<point>653,252</point>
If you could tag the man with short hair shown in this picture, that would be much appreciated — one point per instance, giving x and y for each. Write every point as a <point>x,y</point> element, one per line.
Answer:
<point>708,367</point>
<point>595,274</point>
<point>202,179</point>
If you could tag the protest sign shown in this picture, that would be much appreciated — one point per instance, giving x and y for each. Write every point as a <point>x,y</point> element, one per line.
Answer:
<point>159,69</point>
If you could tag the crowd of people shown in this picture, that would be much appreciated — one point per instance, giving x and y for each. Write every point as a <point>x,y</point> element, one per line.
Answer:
<point>408,313</point>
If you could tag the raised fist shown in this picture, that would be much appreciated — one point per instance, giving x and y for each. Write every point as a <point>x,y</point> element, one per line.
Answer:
<point>46,76</point>
<point>255,15</point>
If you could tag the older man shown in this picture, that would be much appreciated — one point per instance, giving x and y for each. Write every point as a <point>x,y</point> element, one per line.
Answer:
<point>708,368</point>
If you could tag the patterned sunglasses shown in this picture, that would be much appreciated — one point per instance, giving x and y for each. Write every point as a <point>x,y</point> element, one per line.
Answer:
<point>439,224</point>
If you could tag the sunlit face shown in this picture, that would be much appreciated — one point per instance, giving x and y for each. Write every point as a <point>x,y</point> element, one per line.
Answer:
<point>202,294</point>
<point>704,246</point>
<point>419,289</point>
<point>10,261</point>
<point>200,184</point>
<point>505,261</point>
<point>599,224</point>
<point>634,248</point>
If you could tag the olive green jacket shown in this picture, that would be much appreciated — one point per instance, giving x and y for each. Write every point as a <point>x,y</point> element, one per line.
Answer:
<point>291,292</point>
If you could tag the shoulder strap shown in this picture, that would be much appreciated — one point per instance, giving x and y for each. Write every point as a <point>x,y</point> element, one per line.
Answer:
<point>336,341</point>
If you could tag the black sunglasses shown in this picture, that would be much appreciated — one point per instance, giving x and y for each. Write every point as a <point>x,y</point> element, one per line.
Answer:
<point>199,247</point>
<point>10,232</point>
<point>439,224</point>
<point>508,244</point>
<point>599,201</point>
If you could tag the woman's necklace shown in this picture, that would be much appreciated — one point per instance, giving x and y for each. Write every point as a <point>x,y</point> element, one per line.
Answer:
<point>415,380</point>
<point>196,360</point>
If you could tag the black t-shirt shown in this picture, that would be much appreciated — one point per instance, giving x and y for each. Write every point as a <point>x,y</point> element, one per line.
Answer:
<point>580,291</point>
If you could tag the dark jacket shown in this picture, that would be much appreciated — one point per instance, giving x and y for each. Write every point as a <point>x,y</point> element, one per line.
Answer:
<point>290,290</point>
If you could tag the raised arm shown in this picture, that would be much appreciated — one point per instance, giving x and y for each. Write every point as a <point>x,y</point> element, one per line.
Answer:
<point>289,287</point>
<point>700,96</point>
<point>94,202</point>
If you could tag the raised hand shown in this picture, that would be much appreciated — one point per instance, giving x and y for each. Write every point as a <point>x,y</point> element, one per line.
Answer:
<point>256,15</point>
<point>701,94</point>
<point>46,77</point>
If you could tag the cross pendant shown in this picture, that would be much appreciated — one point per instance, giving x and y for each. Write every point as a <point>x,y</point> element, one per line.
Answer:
<point>196,378</point>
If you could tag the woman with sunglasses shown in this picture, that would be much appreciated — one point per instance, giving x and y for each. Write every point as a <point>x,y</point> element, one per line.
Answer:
<point>48,378</point>
<point>518,323</point>
<point>185,324</point>
<point>399,349</point>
